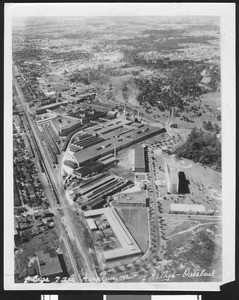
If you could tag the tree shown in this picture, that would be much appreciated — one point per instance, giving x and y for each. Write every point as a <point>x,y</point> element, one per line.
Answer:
<point>209,126</point>
<point>216,128</point>
<point>202,147</point>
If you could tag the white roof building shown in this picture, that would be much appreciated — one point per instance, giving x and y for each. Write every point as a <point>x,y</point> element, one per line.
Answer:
<point>92,224</point>
<point>187,208</point>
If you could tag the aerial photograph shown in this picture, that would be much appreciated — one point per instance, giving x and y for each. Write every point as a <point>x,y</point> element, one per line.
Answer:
<point>116,149</point>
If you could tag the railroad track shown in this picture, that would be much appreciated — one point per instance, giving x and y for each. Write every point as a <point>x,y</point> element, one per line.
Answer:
<point>55,196</point>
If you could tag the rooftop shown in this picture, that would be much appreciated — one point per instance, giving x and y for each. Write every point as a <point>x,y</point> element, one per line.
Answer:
<point>91,224</point>
<point>49,263</point>
<point>187,207</point>
<point>139,157</point>
<point>138,197</point>
<point>63,122</point>
<point>123,141</point>
<point>129,246</point>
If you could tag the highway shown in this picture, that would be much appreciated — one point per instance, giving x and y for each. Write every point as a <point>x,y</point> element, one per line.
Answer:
<point>59,193</point>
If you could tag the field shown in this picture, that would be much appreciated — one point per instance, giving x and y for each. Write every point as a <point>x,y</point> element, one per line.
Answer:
<point>213,99</point>
<point>136,220</point>
<point>206,176</point>
<point>197,249</point>
<point>176,227</point>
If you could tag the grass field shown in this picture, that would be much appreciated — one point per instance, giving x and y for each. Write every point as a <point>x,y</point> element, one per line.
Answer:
<point>206,176</point>
<point>136,221</point>
<point>213,99</point>
<point>198,250</point>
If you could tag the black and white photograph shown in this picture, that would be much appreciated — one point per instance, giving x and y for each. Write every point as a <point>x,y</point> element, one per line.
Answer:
<point>119,146</point>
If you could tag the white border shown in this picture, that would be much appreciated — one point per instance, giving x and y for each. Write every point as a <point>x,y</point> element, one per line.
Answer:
<point>176,297</point>
<point>159,297</point>
<point>227,14</point>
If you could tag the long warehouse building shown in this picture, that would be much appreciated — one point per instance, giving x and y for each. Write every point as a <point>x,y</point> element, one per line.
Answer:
<point>116,144</point>
<point>139,160</point>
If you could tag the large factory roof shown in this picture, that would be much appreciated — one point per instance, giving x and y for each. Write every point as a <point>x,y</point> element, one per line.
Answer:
<point>64,122</point>
<point>95,184</point>
<point>109,125</point>
<point>123,141</point>
<point>139,157</point>
<point>49,263</point>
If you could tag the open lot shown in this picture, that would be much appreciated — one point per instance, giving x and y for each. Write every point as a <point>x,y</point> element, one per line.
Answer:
<point>196,249</point>
<point>204,175</point>
<point>213,99</point>
<point>124,167</point>
<point>136,220</point>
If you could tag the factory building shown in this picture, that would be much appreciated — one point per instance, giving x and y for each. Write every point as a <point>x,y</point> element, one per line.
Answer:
<point>171,174</point>
<point>130,200</point>
<point>50,107</point>
<point>95,167</point>
<point>183,184</point>
<point>49,263</point>
<point>114,225</point>
<point>65,125</point>
<point>116,137</point>
<point>92,193</point>
<point>139,160</point>
<point>187,208</point>
<point>92,224</point>
<point>90,169</point>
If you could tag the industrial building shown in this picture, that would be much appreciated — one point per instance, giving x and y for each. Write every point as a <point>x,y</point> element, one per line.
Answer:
<point>183,184</point>
<point>90,169</point>
<point>64,125</point>
<point>139,160</point>
<point>187,208</point>
<point>71,164</point>
<point>128,247</point>
<point>137,199</point>
<point>117,135</point>
<point>93,192</point>
<point>69,100</point>
<point>50,107</point>
<point>49,263</point>
<point>171,173</point>
<point>65,119</point>
<point>92,224</point>
<point>95,167</point>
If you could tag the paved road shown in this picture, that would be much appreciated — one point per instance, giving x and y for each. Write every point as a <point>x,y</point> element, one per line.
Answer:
<point>155,204</point>
<point>59,192</point>
<point>192,217</point>
<point>170,120</point>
